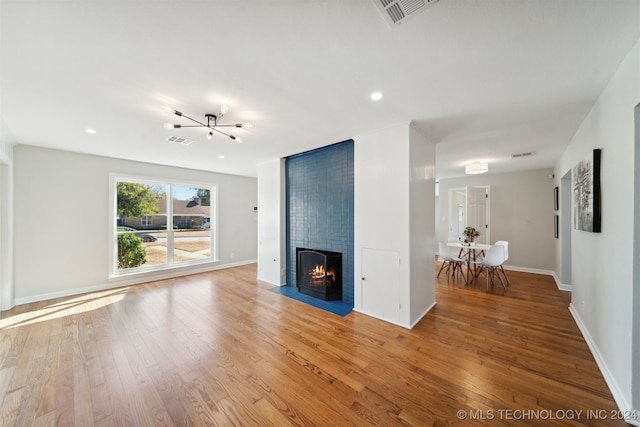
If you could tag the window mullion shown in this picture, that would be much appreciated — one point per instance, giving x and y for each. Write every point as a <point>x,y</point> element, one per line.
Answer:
<point>170,235</point>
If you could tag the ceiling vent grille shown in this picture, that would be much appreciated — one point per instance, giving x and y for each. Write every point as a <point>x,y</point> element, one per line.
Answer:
<point>181,141</point>
<point>518,155</point>
<point>394,12</point>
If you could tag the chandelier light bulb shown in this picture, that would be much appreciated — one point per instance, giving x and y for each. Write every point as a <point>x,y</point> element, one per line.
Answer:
<point>172,110</point>
<point>224,109</point>
<point>210,135</point>
<point>168,125</point>
<point>247,125</point>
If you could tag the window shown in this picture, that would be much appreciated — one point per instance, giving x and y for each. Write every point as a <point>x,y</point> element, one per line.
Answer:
<point>146,221</point>
<point>162,224</point>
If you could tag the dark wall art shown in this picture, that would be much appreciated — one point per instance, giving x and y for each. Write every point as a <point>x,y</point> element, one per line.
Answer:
<point>586,193</point>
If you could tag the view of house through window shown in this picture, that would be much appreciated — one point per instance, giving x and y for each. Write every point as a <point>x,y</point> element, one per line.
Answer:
<point>160,225</point>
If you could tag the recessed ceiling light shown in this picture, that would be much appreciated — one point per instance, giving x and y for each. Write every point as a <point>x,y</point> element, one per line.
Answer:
<point>375,96</point>
<point>221,156</point>
<point>91,131</point>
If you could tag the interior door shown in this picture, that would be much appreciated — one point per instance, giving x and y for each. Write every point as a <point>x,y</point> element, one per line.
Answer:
<point>477,211</point>
<point>380,283</point>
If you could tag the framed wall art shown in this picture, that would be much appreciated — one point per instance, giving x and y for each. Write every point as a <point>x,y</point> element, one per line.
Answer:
<point>587,215</point>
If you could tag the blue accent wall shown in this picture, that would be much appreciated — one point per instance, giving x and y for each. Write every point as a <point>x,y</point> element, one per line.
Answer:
<point>320,200</point>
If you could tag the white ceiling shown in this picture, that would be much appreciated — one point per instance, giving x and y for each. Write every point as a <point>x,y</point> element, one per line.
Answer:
<point>484,78</point>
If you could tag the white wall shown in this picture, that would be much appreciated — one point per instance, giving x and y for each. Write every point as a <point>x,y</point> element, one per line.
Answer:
<point>422,240</point>
<point>602,263</point>
<point>394,194</point>
<point>521,206</point>
<point>635,356</point>
<point>272,222</point>
<point>6,217</point>
<point>63,220</point>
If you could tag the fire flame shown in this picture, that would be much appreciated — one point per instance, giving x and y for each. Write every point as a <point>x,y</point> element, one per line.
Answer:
<point>318,275</point>
<point>318,272</point>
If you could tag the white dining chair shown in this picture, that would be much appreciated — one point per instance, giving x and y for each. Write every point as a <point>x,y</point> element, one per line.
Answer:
<point>490,264</point>
<point>504,244</point>
<point>451,262</point>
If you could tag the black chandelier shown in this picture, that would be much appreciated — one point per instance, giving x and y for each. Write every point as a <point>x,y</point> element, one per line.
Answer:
<point>212,123</point>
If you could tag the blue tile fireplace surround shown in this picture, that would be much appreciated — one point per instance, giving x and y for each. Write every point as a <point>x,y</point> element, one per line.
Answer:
<point>319,209</point>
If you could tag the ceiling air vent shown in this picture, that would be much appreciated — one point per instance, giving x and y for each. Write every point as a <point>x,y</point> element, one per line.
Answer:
<point>518,155</point>
<point>394,12</point>
<point>181,141</point>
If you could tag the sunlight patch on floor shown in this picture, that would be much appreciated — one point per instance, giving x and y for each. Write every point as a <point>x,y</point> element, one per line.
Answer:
<point>73,305</point>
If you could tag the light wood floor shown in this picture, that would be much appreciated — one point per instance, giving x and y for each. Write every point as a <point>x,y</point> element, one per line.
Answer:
<point>221,349</point>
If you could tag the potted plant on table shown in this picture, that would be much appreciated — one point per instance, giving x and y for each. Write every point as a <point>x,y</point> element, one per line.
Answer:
<point>470,234</point>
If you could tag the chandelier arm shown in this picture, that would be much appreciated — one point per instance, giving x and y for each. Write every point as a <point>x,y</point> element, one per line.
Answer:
<point>219,131</point>
<point>195,121</point>
<point>208,127</point>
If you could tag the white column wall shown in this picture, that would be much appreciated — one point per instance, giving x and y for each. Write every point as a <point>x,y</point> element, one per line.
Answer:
<point>392,199</point>
<point>272,222</point>
<point>422,181</point>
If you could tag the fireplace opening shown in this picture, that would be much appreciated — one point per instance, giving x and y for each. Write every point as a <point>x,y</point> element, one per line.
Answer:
<point>319,273</point>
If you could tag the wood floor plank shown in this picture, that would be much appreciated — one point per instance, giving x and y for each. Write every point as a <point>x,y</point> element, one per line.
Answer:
<point>219,348</point>
<point>83,415</point>
<point>65,411</point>
<point>45,420</point>
<point>10,404</point>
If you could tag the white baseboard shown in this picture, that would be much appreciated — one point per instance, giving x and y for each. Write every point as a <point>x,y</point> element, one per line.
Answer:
<point>423,314</point>
<point>551,273</point>
<point>410,326</point>
<point>270,282</point>
<point>619,398</point>
<point>528,270</point>
<point>131,280</point>
<point>382,318</point>
<point>525,269</point>
<point>561,286</point>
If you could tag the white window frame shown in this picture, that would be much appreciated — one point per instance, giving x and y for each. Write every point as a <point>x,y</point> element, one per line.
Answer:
<point>114,178</point>
<point>146,221</point>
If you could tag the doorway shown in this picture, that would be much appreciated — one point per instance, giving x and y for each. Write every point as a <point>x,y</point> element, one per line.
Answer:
<point>469,207</point>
